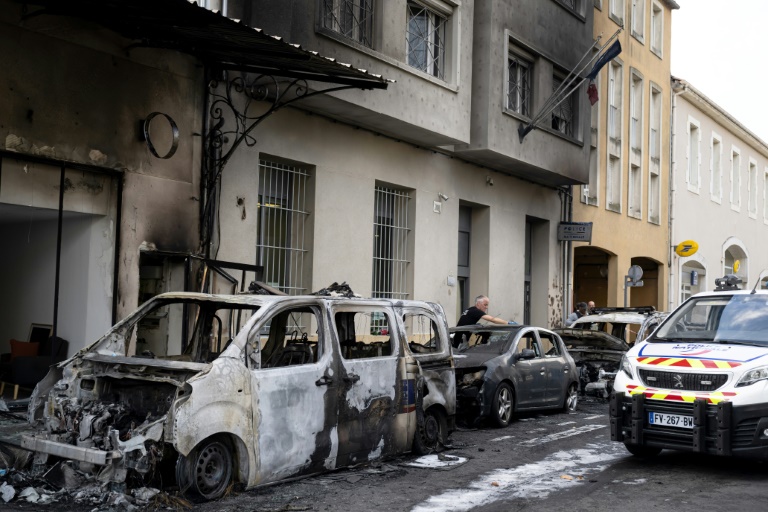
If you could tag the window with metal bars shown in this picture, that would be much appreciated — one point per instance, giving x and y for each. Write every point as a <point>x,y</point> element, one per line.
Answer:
<point>562,115</point>
<point>282,227</point>
<point>425,40</point>
<point>391,230</point>
<point>350,18</point>
<point>519,85</point>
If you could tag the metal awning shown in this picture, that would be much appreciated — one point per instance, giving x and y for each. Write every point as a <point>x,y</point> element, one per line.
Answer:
<point>218,41</point>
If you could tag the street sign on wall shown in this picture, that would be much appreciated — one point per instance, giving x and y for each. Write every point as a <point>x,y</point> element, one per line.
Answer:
<point>574,231</point>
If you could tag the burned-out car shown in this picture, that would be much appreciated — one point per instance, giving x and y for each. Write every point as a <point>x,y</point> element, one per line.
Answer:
<point>629,324</point>
<point>250,389</point>
<point>501,370</point>
<point>597,355</point>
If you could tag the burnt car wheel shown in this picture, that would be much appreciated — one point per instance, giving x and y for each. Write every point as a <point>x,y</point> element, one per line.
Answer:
<point>207,471</point>
<point>571,398</point>
<point>431,436</point>
<point>503,405</point>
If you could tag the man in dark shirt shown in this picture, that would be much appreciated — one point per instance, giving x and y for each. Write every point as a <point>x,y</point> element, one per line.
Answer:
<point>480,312</point>
<point>473,315</point>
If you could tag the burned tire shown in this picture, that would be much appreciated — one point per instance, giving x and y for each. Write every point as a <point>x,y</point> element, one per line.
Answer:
<point>431,436</point>
<point>571,401</point>
<point>639,450</point>
<point>207,471</point>
<point>503,405</point>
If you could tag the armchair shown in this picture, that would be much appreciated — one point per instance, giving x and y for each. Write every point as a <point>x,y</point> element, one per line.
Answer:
<point>29,362</point>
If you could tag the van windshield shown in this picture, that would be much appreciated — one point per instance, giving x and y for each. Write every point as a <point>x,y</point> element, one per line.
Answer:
<point>740,319</point>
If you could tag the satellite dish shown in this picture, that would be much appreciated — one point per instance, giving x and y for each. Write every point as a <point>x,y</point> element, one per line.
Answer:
<point>635,273</point>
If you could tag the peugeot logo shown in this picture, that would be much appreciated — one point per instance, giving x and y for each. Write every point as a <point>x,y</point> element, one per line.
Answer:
<point>678,381</point>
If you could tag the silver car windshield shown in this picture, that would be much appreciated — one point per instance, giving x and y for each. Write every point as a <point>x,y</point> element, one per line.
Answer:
<point>740,319</point>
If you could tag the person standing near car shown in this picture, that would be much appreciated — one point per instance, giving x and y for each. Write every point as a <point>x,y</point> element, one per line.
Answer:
<point>580,311</point>
<point>480,312</point>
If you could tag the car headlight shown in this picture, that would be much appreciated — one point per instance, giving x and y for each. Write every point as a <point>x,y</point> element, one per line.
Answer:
<point>753,376</point>
<point>473,377</point>
<point>626,367</point>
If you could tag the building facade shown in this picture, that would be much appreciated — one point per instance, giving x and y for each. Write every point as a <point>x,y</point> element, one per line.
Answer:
<point>626,195</point>
<point>105,144</point>
<point>423,190</point>
<point>718,196</point>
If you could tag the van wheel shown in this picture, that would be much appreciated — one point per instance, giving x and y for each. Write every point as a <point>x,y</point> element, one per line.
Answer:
<point>431,436</point>
<point>639,450</point>
<point>207,470</point>
<point>571,398</point>
<point>503,405</point>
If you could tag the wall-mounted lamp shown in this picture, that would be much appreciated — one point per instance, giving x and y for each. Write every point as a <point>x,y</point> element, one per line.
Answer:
<point>489,181</point>
<point>442,196</point>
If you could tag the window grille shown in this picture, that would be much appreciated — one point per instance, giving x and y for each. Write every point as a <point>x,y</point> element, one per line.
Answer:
<point>391,231</point>
<point>282,229</point>
<point>350,18</point>
<point>425,40</point>
<point>519,95</point>
<point>562,115</point>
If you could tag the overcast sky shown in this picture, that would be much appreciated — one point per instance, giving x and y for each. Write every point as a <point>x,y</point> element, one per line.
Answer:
<point>720,47</point>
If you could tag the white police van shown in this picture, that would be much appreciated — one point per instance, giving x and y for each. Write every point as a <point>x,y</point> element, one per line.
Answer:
<point>700,381</point>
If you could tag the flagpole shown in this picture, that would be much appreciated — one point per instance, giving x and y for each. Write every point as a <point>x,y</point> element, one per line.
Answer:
<point>546,109</point>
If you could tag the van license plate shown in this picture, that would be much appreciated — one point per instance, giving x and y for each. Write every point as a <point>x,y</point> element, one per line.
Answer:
<point>670,420</point>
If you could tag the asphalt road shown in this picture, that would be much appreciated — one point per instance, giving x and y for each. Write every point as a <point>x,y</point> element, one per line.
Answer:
<point>548,461</point>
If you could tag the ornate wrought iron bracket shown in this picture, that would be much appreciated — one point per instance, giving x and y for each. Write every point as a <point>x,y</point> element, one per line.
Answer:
<point>236,107</point>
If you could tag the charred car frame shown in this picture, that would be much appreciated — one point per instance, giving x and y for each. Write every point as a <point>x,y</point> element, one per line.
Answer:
<point>251,389</point>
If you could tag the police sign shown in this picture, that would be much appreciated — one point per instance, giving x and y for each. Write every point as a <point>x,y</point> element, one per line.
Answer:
<point>574,231</point>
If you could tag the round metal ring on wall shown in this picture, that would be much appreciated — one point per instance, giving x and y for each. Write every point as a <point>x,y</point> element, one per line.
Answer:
<point>174,132</point>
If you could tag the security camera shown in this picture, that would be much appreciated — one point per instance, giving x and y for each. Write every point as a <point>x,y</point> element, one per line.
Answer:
<point>443,196</point>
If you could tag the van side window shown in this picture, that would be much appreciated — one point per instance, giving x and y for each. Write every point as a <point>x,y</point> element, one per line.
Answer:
<point>363,334</point>
<point>290,338</point>
<point>422,334</point>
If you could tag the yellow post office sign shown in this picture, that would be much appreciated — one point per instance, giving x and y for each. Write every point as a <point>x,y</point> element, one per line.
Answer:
<point>686,248</point>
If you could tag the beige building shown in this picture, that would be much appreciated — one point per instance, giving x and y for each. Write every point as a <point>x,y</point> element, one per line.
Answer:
<point>626,197</point>
<point>718,196</point>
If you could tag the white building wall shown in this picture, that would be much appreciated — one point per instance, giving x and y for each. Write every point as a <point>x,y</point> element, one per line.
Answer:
<point>710,220</point>
<point>347,163</point>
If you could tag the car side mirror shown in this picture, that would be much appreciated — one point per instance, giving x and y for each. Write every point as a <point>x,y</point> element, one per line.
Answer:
<point>526,353</point>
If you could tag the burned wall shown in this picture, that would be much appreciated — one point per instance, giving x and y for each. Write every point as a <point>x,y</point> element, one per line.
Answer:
<point>74,92</point>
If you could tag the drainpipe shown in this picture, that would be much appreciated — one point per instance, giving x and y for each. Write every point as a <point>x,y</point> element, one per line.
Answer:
<point>677,89</point>
<point>566,213</point>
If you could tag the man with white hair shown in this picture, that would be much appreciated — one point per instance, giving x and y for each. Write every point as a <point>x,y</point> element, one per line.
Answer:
<point>480,312</point>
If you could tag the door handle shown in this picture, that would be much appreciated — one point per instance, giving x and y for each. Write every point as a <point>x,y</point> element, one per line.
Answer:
<point>565,369</point>
<point>543,370</point>
<point>351,378</point>
<point>323,381</point>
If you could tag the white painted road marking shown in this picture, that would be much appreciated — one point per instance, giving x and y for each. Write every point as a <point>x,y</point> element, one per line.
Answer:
<point>561,435</point>
<point>566,423</point>
<point>535,480</point>
<point>595,417</point>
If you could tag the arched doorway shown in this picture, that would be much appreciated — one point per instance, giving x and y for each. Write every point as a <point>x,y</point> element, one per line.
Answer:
<point>648,294</point>
<point>590,275</point>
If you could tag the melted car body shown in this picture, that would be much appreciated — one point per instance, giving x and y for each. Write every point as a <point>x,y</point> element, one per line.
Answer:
<point>597,355</point>
<point>251,389</point>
